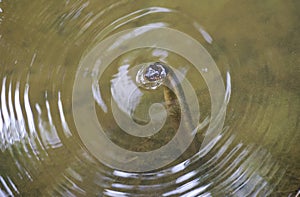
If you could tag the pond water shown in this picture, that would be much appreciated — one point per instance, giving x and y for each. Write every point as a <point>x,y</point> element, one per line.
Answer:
<point>75,121</point>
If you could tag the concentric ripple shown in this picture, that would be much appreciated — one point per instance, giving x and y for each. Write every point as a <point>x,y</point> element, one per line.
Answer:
<point>75,119</point>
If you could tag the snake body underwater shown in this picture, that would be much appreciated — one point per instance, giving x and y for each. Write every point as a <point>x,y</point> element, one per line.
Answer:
<point>155,74</point>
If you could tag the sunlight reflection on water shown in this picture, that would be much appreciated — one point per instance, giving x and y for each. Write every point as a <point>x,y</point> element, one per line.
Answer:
<point>47,46</point>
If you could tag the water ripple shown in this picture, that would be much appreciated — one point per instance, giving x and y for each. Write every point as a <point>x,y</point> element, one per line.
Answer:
<point>68,72</point>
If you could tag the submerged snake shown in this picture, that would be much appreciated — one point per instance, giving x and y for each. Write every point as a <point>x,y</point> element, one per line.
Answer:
<point>155,74</point>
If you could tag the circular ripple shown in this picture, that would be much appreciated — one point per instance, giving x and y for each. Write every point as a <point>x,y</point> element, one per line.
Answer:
<point>96,61</point>
<point>74,121</point>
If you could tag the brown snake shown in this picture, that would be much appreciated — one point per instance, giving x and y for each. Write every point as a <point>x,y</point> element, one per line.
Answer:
<point>156,74</point>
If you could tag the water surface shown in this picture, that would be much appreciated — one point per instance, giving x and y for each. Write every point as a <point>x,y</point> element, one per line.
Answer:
<point>54,71</point>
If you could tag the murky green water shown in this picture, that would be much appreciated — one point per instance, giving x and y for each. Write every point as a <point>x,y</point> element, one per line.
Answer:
<point>73,121</point>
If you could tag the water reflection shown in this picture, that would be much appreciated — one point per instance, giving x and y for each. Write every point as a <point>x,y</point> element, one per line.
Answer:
<point>124,91</point>
<point>253,154</point>
<point>12,127</point>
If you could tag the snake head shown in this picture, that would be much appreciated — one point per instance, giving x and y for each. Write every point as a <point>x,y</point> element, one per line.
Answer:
<point>155,71</point>
<point>152,75</point>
